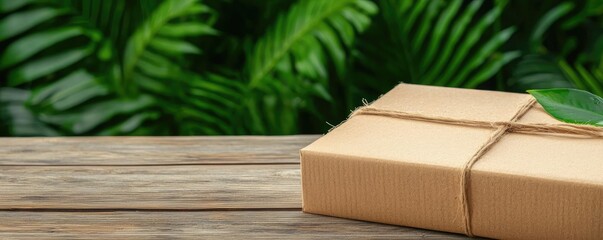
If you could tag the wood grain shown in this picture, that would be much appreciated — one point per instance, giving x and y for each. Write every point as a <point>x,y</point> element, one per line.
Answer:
<point>198,225</point>
<point>150,187</point>
<point>166,188</point>
<point>82,151</point>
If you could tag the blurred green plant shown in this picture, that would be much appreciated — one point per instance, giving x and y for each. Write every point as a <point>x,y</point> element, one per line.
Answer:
<point>190,67</point>
<point>441,43</point>
<point>287,65</point>
<point>565,49</point>
<point>87,68</point>
<point>448,43</point>
<point>75,69</point>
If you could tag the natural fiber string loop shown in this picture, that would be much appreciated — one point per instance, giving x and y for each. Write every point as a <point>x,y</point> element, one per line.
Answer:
<point>501,129</point>
<point>527,128</point>
<point>466,174</point>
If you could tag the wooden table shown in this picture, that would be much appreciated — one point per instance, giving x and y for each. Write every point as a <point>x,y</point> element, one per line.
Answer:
<point>165,187</point>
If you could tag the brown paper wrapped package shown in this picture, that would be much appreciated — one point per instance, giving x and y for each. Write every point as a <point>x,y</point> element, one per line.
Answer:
<point>408,172</point>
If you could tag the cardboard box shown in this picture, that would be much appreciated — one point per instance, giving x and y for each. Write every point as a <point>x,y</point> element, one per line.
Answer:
<point>408,172</point>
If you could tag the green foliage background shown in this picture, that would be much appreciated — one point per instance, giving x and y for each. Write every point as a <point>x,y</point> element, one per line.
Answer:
<point>187,67</point>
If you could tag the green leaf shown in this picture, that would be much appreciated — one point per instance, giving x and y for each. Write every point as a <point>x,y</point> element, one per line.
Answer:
<point>130,124</point>
<point>187,29</point>
<point>173,47</point>
<point>297,28</point>
<point>431,12</point>
<point>584,79</point>
<point>34,43</point>
<point>538,72</point>
<point>571,105</point>
<point>72,79</point>
<point>102,112</point>
<point>8,5</point>
<point>22,21</point>
<point>439,30</point>
<point>547,20</point>
<point>463,52</point>
<point>69,91</point>
<point>148,34</point>
<point>291,63</point>
<point>479,58</point>
<point>492,68</point>
<point>8,95</point>
<point>15,113</point>
<point>47,65</point>
<point>448,43</point>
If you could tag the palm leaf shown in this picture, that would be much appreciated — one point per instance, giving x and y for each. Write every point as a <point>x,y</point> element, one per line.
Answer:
<point>304,27</point>
<point>16,118</point>
<point>215,101</point>
<point>544,68</point>
<point>38,55</point>
<point>443,44</point>
<point>151,62</point>
<point>158,41</point>
<point>19,22</point>
<point>116,19</point>
<point>290,62</point>
<point>540,72</point>
<point>537,72</point>
<point>545,22</point>
<point>583,78</point>
<point>75,98</point>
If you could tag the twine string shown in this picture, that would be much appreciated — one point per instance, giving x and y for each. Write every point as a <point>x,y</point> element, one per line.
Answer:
<point>501,127</point>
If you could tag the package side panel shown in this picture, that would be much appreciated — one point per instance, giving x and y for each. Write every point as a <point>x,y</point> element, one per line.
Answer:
<point>383,191</point>
<point>516,207</point>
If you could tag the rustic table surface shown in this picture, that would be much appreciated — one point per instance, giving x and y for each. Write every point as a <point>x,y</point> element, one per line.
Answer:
<point>165,187</point>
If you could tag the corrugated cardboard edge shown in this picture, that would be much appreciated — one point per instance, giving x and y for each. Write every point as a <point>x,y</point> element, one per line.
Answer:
<point>453,219</point>
<point>582,198</point>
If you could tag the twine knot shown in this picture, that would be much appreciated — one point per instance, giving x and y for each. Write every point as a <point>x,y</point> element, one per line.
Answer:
<point>502,127</point>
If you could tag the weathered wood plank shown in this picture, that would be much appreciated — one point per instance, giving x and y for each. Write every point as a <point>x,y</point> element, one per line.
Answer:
<point>152,150</point>
<point>150,187</point>
<point>198,225</point>
<point>165,187</point>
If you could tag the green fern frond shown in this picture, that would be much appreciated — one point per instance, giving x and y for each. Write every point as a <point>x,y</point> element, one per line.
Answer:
<point>297,36</point>
<point>545,68</point>
<point>546,21</point>
<point>215,101</point>
<point>22,56</point>
<point>440,46</point>
<point>17,118</point>
<point>290,62</point>
<point>582,78</point>
<point>47,59</point>
<point>159,40</point>
<point>536,72</point>
<point>70,96</point>
<point>151,61</point>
